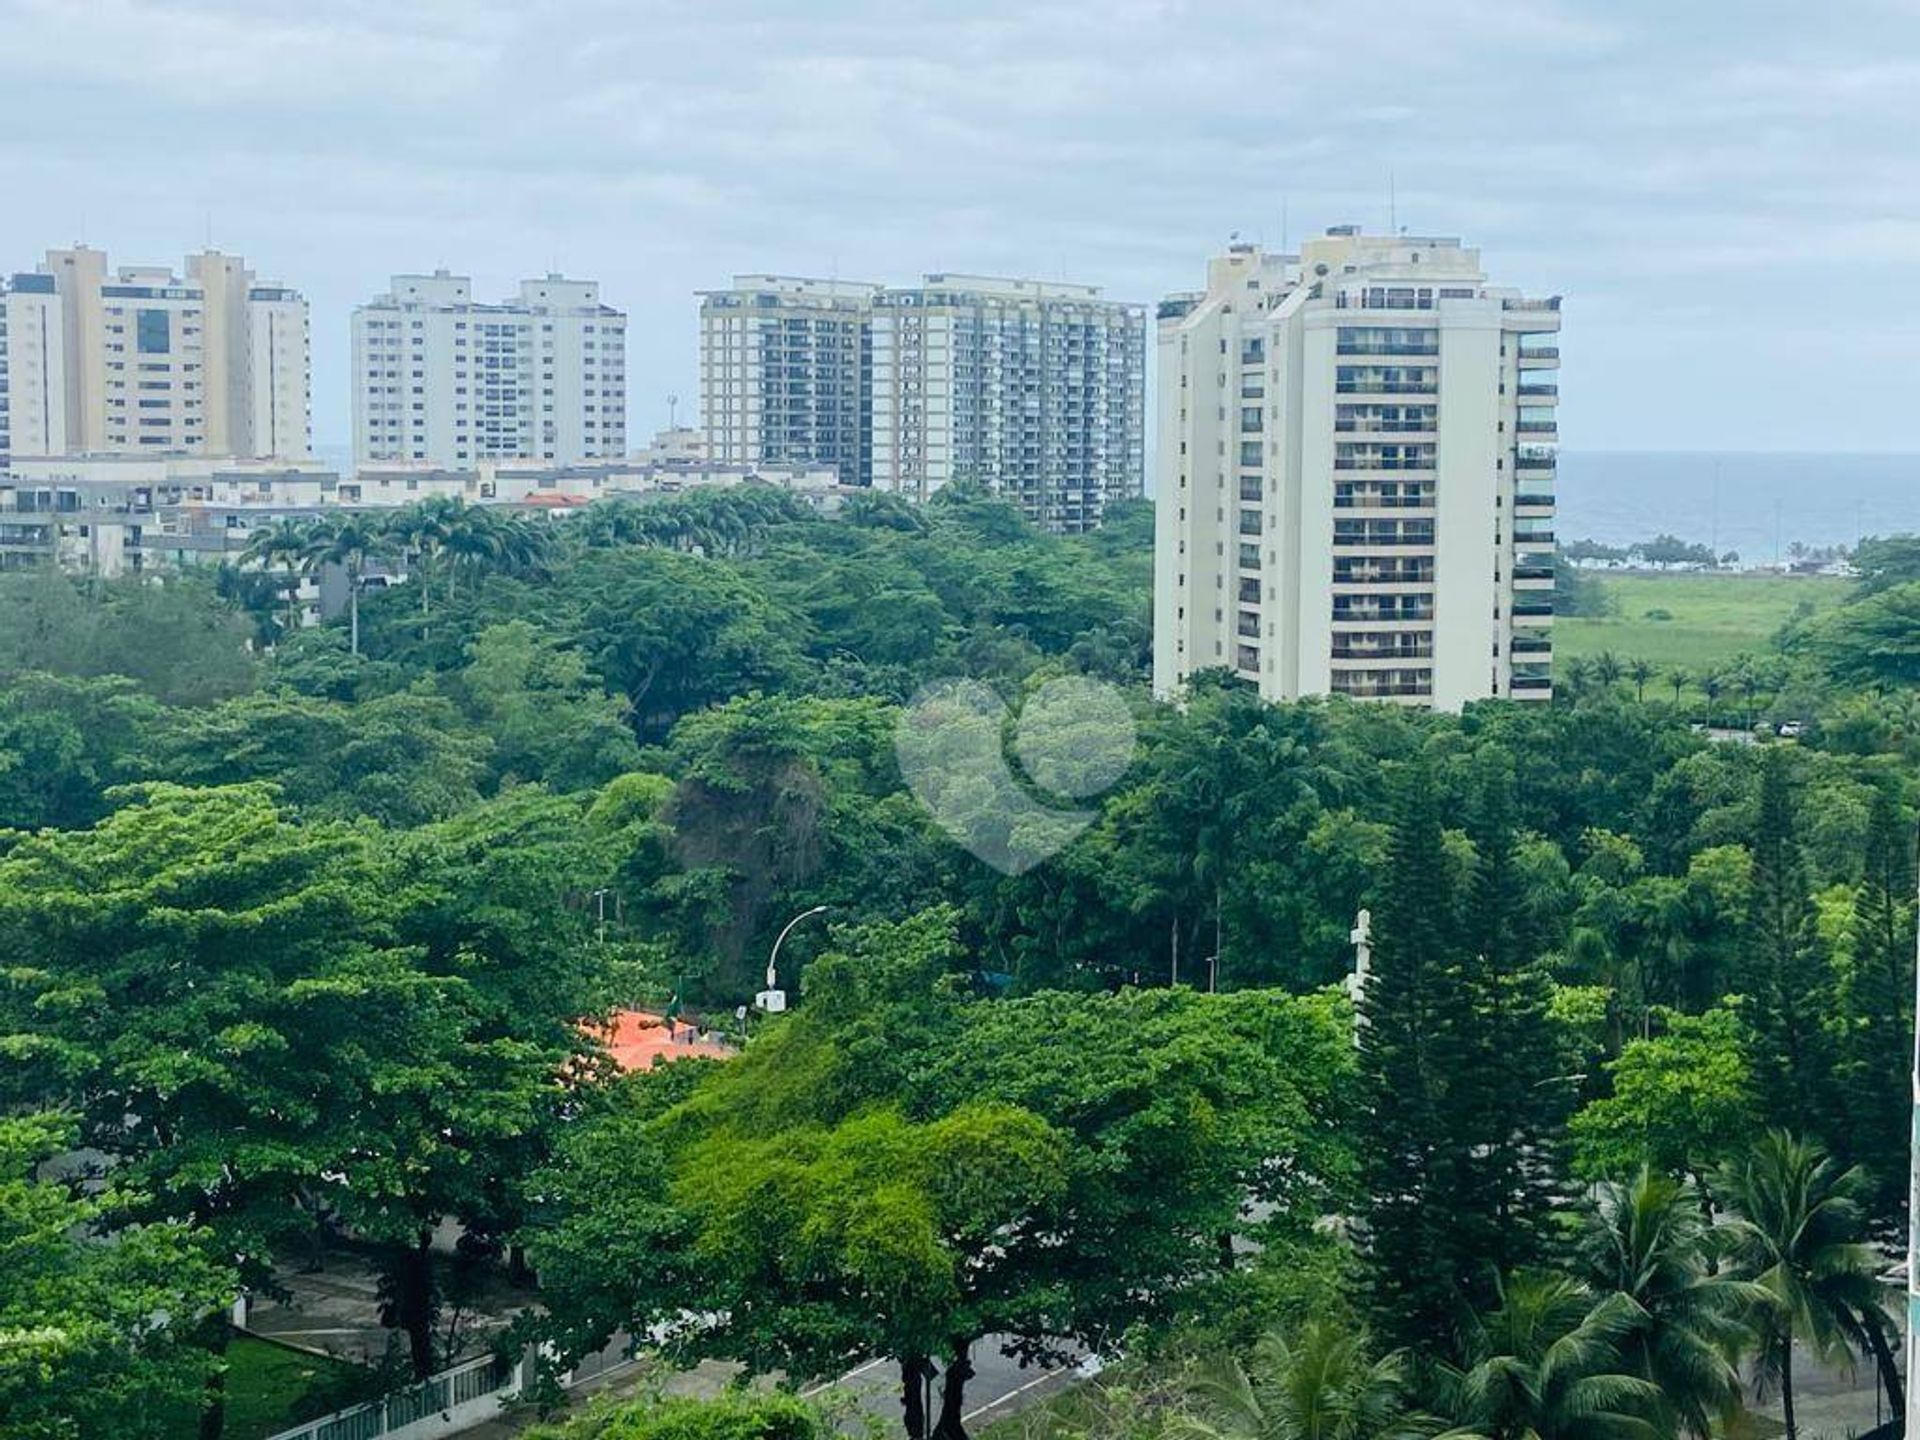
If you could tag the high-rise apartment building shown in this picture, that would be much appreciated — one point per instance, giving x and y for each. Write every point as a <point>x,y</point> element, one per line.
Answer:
<point>1355,475</point>
<point>33,369</point>
<point>144,361</point>
<point>1035,389</point>
<point>784,372</point>
<point>441,379</point>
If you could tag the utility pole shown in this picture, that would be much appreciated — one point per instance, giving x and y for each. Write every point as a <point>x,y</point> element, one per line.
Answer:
<point>600,905</point>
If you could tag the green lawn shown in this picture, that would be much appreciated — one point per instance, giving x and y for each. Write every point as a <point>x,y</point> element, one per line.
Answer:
<point>1713,617</point>
<point>271,1388</point>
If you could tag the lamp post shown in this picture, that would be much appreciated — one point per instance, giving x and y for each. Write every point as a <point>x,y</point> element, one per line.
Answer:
<point>772,999</point>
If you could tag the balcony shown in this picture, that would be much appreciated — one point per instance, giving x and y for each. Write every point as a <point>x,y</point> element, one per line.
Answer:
<point>1537,392</point>
<point>1387,387</point>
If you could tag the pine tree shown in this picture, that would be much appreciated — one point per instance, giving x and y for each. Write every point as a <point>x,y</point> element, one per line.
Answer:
<point>1876,1009</point>
<point>1416,1032</point>
<point>1514,1102</point>
<point>1785,975</point>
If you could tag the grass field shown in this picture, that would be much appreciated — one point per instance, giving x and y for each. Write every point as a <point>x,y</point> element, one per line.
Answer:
<point>1713,617</point>
<point>271,1388</point>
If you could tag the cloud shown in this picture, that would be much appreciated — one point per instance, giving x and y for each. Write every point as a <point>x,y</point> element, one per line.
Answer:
<point>1668,168</point>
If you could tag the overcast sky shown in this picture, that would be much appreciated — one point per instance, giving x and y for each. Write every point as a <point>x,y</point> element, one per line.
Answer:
<point>1726,191</point>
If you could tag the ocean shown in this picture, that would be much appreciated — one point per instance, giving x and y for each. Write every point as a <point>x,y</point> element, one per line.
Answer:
<point>1755,504</point>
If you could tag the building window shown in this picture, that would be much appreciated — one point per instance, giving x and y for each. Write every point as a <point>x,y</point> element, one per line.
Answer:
<point>155,334</point>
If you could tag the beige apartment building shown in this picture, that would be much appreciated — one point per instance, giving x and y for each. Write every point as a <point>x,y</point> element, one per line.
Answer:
<point>141,360</point>
<point>1355,475</point>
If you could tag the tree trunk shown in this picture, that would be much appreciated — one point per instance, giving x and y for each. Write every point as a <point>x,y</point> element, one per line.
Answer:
<point>953,1394</point>
<point>413,1302</point>
<point>213,1395</point>
<point>1888,1367</point>
<point>518,1270</point>
<point>913,1396</point>
<point>353,613</point>
<point>1786,1385</point>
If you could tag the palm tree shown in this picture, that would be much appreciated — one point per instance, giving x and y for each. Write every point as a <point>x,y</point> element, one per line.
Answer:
<point>422,529</point>
<point>1798,1230</point>
<point>348,540</point>
<point>1679,679</point>
<point>1547,1364</point>
<point>1579,675</point>
<point>1711,684</point>
<point>1647,1241</point>
<point>1640,672</point>
<point>1606,669</point>
<point>1748,679</point>
<point>1320,1385</point>
<point>282,545</point>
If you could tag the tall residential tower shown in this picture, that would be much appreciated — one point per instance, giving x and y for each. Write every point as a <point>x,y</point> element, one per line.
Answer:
<point>144,361</point>
<point>1355,478</point>
<point>1033,388</point>
<point>440,379</point>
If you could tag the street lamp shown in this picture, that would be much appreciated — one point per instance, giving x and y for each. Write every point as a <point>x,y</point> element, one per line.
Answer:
<point>774,1000</point>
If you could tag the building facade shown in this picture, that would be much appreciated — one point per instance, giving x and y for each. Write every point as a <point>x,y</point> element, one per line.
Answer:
<point>785,364</point>
<point>442,380</point>
<point>144,361</point>
<point>111,515</point>
<point>1035,389</point>
<point>33,368</point>
<point>1355,475</point>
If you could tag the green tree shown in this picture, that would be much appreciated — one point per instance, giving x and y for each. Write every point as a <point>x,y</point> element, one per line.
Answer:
<point>548,718</point>
<point>1427,1233</point>
<point>1785,973</point>
<point>1546,1363</point>
<point>280,550</point>
<point>1799,1232</point>
<point>349,542</point>
<point>245,1041</point>
<point>1321,1384</point>
<point>98,1321</point>
<point>1647,1241</point>
<point>1682,1100</point>
<point>1876,1009</point>
<point>729,1417</point>
<point>1158,1116</point>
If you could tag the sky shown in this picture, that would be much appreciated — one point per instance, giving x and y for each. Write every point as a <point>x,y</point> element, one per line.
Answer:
<point>1727,192</point>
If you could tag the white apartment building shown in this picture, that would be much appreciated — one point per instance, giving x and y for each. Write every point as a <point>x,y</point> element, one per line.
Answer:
<point>440,379</point>
<point>784,366</point>
<point>1037,389</point>
<point>211,362</point>
<point>1355,475</point>
<point>33,369</point>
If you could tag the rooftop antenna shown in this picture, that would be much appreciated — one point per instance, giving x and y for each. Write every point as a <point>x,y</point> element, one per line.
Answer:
<point>673,412</point>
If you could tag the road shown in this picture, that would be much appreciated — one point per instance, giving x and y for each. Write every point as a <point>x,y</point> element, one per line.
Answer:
<point>999,1387</point>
